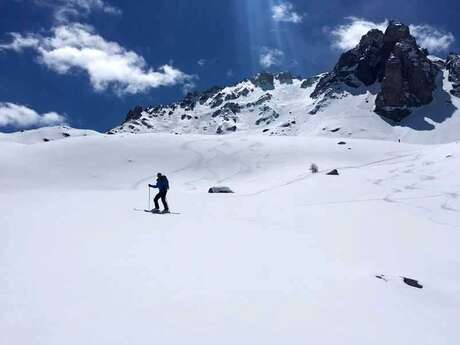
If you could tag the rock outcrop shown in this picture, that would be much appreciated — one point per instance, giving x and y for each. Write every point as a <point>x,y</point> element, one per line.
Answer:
<point>359,65</point>
<point>264,80</point>
<point>453,66</point>
<point>285,77</point>
<point>220,190</point>
<point>406,75</point>
<point>134,114</point>
<point>409,77</point>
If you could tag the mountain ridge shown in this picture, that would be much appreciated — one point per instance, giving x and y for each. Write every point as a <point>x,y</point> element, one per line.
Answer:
<point>387,87</point>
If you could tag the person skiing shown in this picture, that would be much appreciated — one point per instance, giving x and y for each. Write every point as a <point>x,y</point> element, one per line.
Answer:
<point>163,185</point>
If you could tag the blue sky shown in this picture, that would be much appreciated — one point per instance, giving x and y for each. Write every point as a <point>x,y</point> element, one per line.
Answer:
<point>87,62</point>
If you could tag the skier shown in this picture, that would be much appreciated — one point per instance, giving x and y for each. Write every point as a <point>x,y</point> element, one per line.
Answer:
<point>163,186</point>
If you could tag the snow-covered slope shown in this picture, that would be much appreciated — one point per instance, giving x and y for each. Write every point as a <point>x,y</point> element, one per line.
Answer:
<point>268,104</point>
<point>290,258</point>
<point>44,134</point>
<point>288,109</point>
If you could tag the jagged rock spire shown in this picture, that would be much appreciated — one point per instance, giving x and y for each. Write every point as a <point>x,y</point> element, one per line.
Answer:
<point>393,59</point>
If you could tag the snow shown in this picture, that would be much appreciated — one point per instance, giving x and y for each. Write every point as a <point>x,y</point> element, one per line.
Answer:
<point>350,109</point>
<point>44,134</point>
<point>290,258</point>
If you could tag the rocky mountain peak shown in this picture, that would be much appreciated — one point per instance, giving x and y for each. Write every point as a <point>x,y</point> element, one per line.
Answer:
<point>397,32</point>
<point>393,59</point>
<point>264,80</point>
<point>134,114</point>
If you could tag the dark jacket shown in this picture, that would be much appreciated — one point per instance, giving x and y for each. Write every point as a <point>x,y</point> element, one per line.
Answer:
<point>162,184</point>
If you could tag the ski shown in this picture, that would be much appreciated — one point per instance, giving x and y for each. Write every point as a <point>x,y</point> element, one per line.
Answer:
<point>150,211</point>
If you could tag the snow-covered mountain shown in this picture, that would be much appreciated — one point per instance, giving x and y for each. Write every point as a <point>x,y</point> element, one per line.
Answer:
<point>385,88</point>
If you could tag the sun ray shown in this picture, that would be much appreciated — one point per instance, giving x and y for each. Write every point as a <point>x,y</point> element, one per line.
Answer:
<point>257,29</point>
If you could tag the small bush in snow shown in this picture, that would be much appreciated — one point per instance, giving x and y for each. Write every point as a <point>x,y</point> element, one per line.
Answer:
<point>314,168</point>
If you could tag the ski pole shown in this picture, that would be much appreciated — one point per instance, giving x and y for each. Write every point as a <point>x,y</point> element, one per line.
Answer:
<point>149,199</point>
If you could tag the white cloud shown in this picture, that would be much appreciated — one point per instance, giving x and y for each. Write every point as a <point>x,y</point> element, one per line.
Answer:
<point>67,10</point>
<point>270,57</point>
<point>201,62</point>
<point>188,87</point>
<point>284,12</point>
<point>108,65</point>
<point>347,36</point>
<point>20,42</point>
<point>431,38</point>
<point>20,116</point>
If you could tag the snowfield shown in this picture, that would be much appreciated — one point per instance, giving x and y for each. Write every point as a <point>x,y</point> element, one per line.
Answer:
<point>290,258</point>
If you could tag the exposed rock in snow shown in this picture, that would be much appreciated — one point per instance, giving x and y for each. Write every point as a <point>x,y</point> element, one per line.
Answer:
<point>334,172</point>
<point>134,114</point>
<point>285,77</point>
<point>265,81</point>
<point>408,281</point>
<point>220,190</point>
<point>412,282</point>
<point>453,66</point>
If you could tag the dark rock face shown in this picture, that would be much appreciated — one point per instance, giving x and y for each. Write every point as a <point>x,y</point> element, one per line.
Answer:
<point>409,77</point>
<point>309,82</point>
<point>209,94</point>
<point>260,101</point>
<point>266,116</point>
<point>264,80</point>
<point>217,100</point>
<point>231,96</point>
<point>189,102</point>
<point>233,107</point>
<point>285,78</point>
<point>228,109</point>
<point>393,58</point>
<point>243,92</point>
<point>134,114</point>
<point>361,64</point>
<point>453,66</point>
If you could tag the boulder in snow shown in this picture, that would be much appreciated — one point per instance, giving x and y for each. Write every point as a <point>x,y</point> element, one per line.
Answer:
<point>334,172</point>
<point>412,282</point>
<point>221,190</point>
